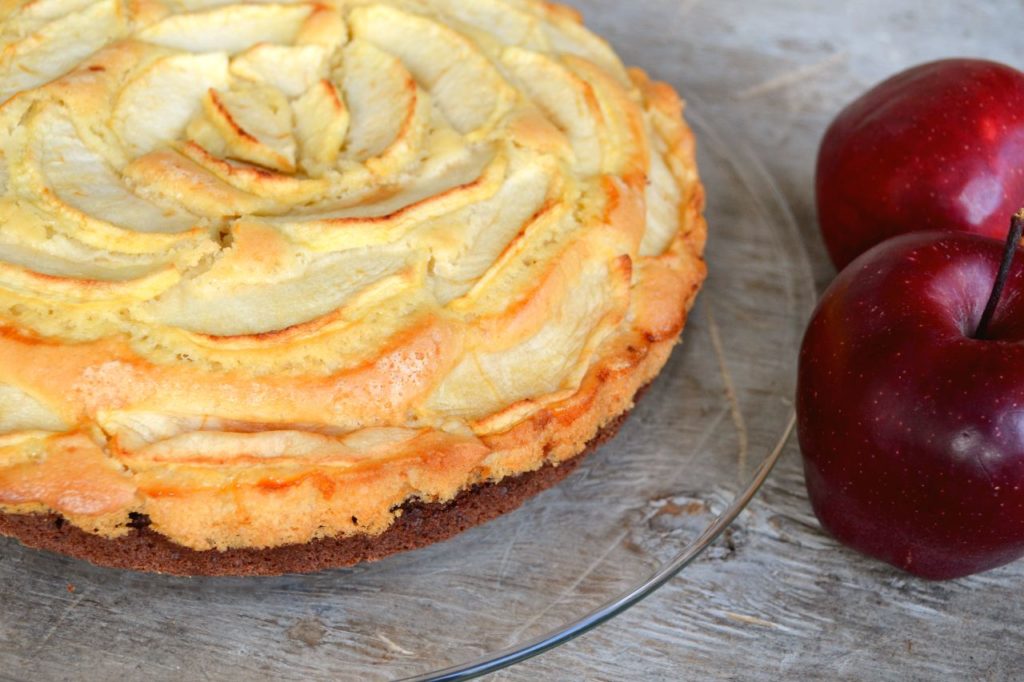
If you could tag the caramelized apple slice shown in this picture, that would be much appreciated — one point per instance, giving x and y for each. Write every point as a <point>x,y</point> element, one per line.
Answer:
<point>441,187</point>
<point>282,189</point>
<point>321,122</point>
<point>58,269</point>
<point>168,174</point>
<point>154,107</point>
<point>290,69</point>
<point>510,25</point>
<point>324,27</point>
<point>663,201</point>
<point>505,369</point>
<point>566,99</point>
<point>465,85</point>
<point>255,123</point>
<point>261,284</point>
<point>465,244</point>
<point>77,183</point>
<point>231,29</point>
<point>388,111</point>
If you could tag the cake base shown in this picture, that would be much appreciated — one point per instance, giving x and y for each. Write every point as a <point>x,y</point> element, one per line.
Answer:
<point>419,525</point>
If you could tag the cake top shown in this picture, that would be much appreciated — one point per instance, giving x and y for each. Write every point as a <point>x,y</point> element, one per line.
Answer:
<point>242,236</point>
<point>285,188</point>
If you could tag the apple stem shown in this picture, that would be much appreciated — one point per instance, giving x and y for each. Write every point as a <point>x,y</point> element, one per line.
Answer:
<point>1012,239</point>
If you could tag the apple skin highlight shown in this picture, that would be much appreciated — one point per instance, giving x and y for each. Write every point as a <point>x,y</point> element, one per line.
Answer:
<point>912,431</point>
<point>939,146</point>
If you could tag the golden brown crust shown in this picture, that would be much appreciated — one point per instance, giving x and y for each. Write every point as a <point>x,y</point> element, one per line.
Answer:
<point>307,333</point>
<point>417,525</point>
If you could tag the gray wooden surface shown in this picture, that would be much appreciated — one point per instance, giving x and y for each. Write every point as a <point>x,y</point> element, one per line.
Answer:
<point>788,602</point>
<point>776,598</point>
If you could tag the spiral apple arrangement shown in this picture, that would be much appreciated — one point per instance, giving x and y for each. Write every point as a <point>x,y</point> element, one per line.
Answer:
<point>910,396</point>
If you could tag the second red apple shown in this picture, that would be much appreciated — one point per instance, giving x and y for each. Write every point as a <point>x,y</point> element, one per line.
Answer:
<point>940,146</point>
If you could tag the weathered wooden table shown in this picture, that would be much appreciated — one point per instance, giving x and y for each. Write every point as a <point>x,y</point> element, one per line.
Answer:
<point>779,599</point>
<point>789,602</point>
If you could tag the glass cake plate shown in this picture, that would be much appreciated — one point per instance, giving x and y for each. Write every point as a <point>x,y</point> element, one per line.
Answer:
<point>635,513</point>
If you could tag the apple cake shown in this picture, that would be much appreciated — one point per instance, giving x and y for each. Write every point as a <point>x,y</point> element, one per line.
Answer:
<point>287,286</point>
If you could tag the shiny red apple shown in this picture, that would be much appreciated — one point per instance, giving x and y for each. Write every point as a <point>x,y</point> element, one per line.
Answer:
<point>911,427</point>
<point>939,146</point>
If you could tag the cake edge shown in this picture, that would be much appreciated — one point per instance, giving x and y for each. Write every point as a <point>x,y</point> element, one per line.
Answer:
<point>419,525</point>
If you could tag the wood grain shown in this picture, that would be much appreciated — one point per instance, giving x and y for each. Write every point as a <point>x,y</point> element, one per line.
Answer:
<point>775,598</point>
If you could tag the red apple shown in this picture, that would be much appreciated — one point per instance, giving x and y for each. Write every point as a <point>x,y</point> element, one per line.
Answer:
<point>940,146</point>
<point>912,429</point>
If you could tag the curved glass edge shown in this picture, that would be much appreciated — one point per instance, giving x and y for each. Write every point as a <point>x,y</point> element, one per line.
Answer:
<point>549,641</point>
<point>754,174</point>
